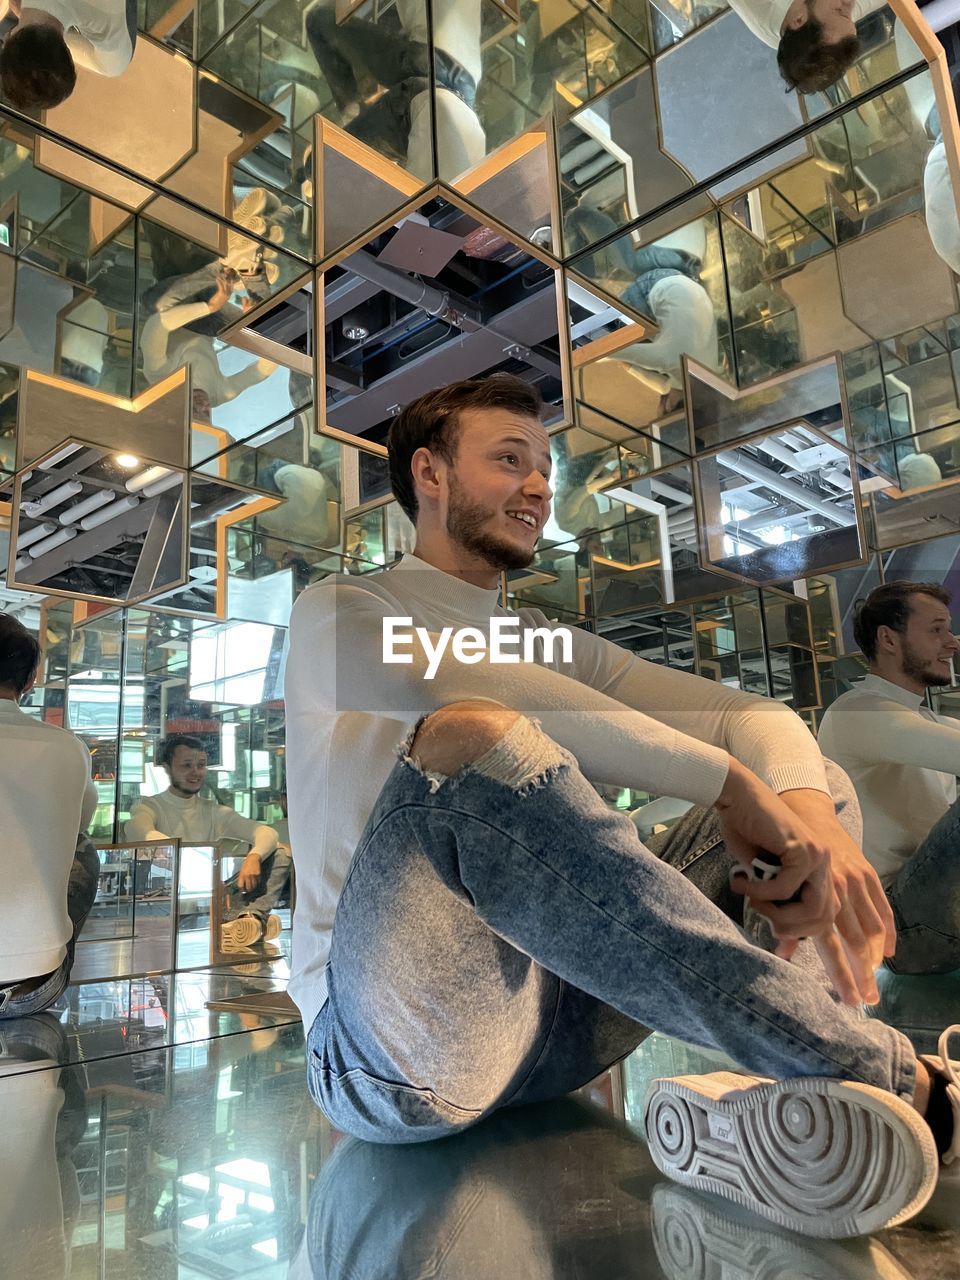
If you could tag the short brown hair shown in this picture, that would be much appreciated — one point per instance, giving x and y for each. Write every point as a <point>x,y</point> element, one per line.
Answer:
<point>889,606</point>
<point>807,63</point>
<point>36,67</point>
<point>432,422</point>
<point>19,654</point>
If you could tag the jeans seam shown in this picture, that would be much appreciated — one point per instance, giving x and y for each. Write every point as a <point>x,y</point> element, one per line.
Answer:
<point>737,1001</point>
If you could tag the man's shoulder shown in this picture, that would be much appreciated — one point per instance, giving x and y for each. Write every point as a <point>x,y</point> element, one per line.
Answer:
<point>29,727</point>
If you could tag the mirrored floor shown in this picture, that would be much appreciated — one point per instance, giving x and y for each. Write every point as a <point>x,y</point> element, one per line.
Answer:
<point>200,1154</point>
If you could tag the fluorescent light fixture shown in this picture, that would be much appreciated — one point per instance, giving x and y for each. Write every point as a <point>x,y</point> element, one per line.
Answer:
<point>52,499</point>
<point>166,482</point>
<point>43,530</point>
<point>85,506</point>
<point>109,511</point>
<point>50,544</point>
<point>146,477</point>
<point>56,458</point>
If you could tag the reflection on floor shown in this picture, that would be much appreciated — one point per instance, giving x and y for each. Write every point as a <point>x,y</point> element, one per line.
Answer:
<point>145,1135</point>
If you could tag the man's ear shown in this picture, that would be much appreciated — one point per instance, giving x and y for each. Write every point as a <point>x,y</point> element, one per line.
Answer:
<point>797,17</point>
<point>886,638</point>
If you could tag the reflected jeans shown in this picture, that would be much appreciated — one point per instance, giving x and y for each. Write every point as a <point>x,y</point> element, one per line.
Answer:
<point>274,878</point>
<point>925,897</point>
<point>503,937</point>
<point>349,53</point>
<point>81,894</point>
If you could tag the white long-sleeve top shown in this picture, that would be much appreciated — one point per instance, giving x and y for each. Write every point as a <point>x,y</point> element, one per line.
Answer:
<point>195,820</point>
<point>46,797</point>
<point>766,17</point>
<point>903,760</point>
<point>627,721</point>
<point>96,33</point>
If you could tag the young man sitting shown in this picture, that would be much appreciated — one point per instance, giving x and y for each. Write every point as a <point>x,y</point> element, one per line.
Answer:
<point>904,761</point>
<point>182,812</point>
<point>475,928</point>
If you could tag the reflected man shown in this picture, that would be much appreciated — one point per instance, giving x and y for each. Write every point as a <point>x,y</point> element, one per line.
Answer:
<point>182,812</point>
<point>50,875</point>
<point>816,40</point>
<point>904,761</point>
<point>40,56</point>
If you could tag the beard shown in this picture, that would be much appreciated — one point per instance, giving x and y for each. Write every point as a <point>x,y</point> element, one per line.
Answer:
<point>465,521</point>
<point>916,668</point>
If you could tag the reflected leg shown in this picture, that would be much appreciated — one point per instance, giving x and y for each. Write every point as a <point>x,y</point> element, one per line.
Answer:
<point>925,898</point>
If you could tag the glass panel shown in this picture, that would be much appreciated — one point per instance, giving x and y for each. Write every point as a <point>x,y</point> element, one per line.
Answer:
<point>107,526</point>
<point>642,144</point>
<point>437,298</point>
<point>780,507</point>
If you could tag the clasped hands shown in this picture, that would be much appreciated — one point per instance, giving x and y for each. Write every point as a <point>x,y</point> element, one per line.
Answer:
<point>840,903</point>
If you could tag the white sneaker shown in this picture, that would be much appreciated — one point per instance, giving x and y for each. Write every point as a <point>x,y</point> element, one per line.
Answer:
<point>827,1158</point>
<point>241,934</point>
<point>696,1236</point>
<point>252,204</point>
<point>943,1065</point>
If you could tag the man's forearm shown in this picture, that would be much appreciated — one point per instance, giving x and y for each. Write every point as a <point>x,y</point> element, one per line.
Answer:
<point>265,840</point>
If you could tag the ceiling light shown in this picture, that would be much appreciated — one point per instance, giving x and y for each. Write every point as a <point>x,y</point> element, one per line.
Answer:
<point>128,461</point>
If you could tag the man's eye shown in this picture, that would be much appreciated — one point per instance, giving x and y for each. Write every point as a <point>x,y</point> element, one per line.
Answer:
<point>509,455</point>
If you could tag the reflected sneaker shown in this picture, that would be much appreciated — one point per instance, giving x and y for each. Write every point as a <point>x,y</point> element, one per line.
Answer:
<point>697,1236</point>
<point>947,1082</point>
<point>252,204</point>
<point>826,1158</point>
<point>241,934</point>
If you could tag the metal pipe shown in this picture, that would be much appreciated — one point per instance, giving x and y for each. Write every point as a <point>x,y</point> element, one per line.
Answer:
<point>435,302</point>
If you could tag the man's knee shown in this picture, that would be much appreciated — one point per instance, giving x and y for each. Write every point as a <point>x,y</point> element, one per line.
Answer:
<point>459,733</point>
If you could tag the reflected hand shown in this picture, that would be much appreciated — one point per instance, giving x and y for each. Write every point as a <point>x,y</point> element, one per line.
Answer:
<point>802,901</point>
<point>248,877</point>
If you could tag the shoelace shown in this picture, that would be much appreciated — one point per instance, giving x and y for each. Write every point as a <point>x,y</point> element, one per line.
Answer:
<point>951,1070</point>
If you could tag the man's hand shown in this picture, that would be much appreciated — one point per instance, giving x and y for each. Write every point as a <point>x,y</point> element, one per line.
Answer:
<point>755,820</point>
<point>248,877</point>
<point>865,923</point>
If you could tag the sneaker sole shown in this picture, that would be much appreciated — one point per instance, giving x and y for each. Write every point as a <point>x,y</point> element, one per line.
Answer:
<point>272,929</point>
<point>827,1158</point>
<point>695,1237</point>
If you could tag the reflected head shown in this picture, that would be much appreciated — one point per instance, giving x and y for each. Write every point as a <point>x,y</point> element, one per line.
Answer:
<point>19,657</point>
<point>185,760</point>
<point>36,67</point>
<point>433,422</point>
<point>906,626</point>
<point>818,44</point>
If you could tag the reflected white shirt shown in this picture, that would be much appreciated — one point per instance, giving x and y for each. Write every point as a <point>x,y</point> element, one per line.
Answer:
<point>766,17</point>
<point>96,33</point>
<point>903,761</point>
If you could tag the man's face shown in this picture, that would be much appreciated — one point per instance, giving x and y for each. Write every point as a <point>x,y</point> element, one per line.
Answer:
<point>928,644</point>
<point>835,18</point>
<point>187,770</point>
<point>501,469</point>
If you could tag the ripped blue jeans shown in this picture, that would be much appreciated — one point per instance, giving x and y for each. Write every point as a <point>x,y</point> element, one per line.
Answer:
<point>503,937</point>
